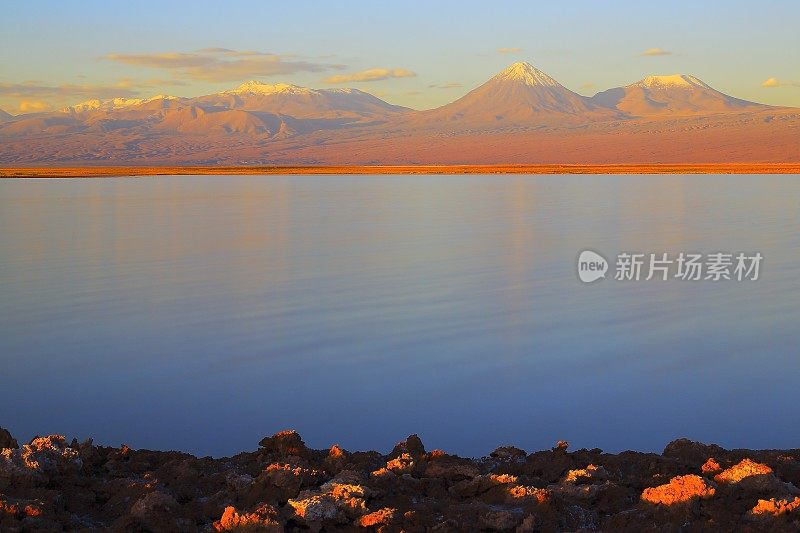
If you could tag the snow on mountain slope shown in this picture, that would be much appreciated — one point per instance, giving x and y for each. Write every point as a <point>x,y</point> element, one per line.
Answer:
<point>519,95</point>
<point>303,102</point>
<point>674,95</point>
<point>523,106</point>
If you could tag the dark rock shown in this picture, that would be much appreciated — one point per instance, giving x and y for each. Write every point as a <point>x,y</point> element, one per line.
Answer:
<point>6,440</point>
<point>287,442</point>
<point>49,485</point>
<point>412,445</point>
<point>692,452</point>
<point>509,453</point>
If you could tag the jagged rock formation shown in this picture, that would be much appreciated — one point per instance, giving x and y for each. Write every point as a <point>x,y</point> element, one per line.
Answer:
<point>49,485</point>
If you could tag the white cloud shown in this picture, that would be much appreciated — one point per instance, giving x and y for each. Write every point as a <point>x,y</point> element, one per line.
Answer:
<point>220,64</point>
<point>771,83</point>
<point>374,74</point>
<point>656,52</point>
<point>37,90</point>
<point>33,106</point>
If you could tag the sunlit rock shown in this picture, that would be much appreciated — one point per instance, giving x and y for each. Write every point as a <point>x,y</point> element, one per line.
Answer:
<point>22,515</point>
<point>522,493</point>
<point>315,508</point>
<point>44,486</point>
<point>381,517</point>
<point>776,507</point>
<point>337,458</point>
<point>335,500</point>
<point>711,466</point>
<point>404,463</point>
<point>742,470</point>
<point>680,489</point>
<point>586,475</point>
<point>281,481</point>
<point>263,519</point>
<point>34,463</point>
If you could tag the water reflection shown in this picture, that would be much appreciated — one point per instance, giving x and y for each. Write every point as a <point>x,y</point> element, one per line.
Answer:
<point>203,312</point>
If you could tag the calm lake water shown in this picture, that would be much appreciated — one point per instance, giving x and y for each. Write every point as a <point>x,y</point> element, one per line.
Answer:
<point>202,313</point>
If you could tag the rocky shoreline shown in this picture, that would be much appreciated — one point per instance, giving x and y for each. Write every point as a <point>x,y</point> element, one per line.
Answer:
<point>53,485</point>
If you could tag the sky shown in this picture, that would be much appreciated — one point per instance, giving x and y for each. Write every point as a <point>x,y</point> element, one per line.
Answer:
<point>421,54</point>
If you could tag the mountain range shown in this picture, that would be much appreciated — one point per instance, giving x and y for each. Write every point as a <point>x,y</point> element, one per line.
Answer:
<point>521,115</point>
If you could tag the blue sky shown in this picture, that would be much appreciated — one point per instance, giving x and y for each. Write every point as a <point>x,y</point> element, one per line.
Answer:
<point>419,54</point>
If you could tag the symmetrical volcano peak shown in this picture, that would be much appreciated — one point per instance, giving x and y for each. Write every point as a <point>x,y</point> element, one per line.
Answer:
<point>520,95</point>
<point>528,74</point>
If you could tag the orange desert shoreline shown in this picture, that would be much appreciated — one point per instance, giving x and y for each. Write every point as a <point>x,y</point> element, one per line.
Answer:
<point>108,172</point>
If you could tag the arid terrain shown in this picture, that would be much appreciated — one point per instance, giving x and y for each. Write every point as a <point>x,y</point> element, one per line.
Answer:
<point>112,171</point>
<point>53,485</point>
<point>520,116</point>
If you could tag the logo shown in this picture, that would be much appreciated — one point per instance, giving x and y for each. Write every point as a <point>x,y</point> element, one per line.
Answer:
<point>663,266</point>
<point>591,266</point>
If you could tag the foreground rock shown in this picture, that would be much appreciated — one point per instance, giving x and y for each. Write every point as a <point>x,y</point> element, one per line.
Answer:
<point>680,489</point>
<point>52,485</point>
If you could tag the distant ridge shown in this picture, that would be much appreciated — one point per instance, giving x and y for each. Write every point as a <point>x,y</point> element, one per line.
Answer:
<point>519,95</point>
<point>520,115</point>
<point>303,102</point>
<point>115,103</point>
<point>678,94</point>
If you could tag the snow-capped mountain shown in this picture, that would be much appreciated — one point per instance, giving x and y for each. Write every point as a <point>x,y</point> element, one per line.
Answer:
<point>112,104</point>
<point>5,116</point>
<point>255,87</point>
<point>303,102</point>
<point>675,95</point>
<point>96,104</point>
<point>519,95</point>
<point>519,115</point>
<point>253,108</point>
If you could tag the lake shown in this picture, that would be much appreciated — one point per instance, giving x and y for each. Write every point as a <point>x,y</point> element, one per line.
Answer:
<point>202,313</point>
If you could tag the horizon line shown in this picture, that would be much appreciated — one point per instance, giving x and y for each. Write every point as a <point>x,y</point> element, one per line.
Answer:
<point>116,171</point>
